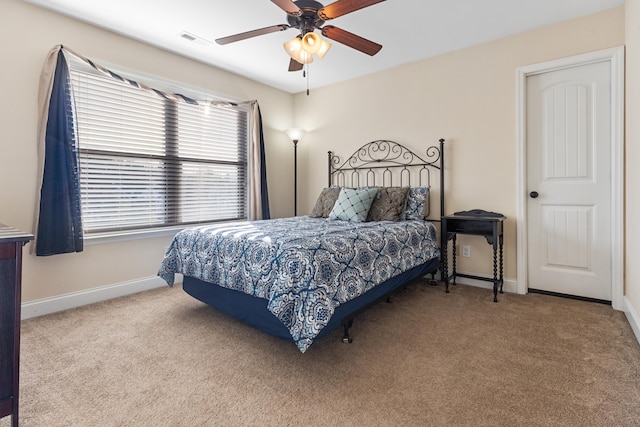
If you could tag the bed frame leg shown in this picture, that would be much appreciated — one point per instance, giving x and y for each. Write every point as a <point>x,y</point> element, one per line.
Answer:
<point>347,338</point>
<point>433,281</point>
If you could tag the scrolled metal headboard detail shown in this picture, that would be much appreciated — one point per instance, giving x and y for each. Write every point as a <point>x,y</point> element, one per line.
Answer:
<point>380,162</point>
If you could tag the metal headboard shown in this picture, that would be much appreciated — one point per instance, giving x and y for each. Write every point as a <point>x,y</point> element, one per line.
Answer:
<point>386,163</point>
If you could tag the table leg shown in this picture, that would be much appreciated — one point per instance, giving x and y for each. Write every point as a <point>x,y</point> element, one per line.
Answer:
<point>444,262</point>
<point>495,273</point>
<point>445,266</point>
<point>455,254</point>
<point>501,270</point>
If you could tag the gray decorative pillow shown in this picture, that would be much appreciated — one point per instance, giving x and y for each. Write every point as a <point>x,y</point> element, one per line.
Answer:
<point>389,204</point>
<point>325,202</point>
<point>416,204</point>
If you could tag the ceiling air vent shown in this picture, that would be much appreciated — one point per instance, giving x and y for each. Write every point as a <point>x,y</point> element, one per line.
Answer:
<point>189,37</point>
<point>193,38</point>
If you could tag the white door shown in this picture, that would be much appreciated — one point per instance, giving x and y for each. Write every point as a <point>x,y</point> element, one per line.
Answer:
<point>568,149</point>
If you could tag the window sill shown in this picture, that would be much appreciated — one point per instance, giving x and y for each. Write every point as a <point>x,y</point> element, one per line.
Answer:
<point>122,236</point>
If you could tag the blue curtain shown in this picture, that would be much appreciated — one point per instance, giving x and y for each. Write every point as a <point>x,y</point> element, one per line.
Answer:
<point>263,173</point>
<point>59,221</point>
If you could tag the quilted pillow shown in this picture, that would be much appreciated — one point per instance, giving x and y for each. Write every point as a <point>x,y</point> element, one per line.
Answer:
<point>325,202</point>
<point>414,209</point>
<point>388,204</point>
<point>353,204</point>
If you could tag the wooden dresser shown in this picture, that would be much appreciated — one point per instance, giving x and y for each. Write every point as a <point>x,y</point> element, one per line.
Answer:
<point>11,242</point>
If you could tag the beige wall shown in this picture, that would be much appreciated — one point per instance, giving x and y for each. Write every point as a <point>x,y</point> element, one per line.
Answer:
<point>632,147</point>
<point>29,32</point>
<point>467,97</point>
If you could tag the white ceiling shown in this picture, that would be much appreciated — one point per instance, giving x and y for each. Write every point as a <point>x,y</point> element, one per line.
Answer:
<point>409,30</point>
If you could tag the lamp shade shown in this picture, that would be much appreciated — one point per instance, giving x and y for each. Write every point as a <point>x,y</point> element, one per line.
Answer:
<point>304,57</point>
<point>311,43</point>
<point>302,47</point>
<point>324,47</point>
<point>293,47</point>
<point>295,134</point>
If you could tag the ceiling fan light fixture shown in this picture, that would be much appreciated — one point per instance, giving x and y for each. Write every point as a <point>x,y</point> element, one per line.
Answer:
<point>307,16</point>
<point>304,57</point>
<point>324,47</point>
<point>293,47</point>
<point>311,42</point>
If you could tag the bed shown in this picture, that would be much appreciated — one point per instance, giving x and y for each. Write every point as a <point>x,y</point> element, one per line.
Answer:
<point>301,285</point>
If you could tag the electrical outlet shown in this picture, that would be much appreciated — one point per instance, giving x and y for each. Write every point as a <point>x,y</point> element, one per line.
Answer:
<point>466,251</point>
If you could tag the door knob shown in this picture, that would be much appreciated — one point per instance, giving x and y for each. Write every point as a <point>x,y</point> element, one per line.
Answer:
<point>533,194</point>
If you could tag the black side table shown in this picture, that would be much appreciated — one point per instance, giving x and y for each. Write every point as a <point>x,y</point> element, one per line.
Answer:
<point>491,227</point>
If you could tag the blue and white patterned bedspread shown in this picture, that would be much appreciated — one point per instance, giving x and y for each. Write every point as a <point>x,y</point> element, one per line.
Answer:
<point>304,267</point>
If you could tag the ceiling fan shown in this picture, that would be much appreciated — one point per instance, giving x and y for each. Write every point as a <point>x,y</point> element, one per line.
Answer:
<point>307,16</point>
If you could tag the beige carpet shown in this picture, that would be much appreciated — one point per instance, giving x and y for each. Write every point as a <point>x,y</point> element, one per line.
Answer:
<point>161,358</point>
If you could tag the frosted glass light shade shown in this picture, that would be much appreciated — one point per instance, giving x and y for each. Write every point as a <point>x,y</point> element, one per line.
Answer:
<point>304,57</point>
<point>311,43</point>
<point>324,47</point>
<point>302,48</point>
<point>293,47</point>
<point>295,134</point>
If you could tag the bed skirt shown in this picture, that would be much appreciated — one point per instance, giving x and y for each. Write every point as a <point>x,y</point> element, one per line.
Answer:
<point>253,310</point>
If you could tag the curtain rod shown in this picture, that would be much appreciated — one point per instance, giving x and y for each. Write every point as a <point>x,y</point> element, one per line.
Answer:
<point>167,95</point>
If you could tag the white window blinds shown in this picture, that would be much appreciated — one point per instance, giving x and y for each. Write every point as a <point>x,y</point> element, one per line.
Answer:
<point>146,161</point>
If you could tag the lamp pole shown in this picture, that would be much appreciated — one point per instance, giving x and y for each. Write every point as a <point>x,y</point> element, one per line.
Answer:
<point>295,135</point>
<point>295,177</point>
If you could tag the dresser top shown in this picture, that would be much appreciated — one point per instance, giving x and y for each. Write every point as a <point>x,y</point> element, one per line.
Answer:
<point>475,217</point>
<point>10,234</point>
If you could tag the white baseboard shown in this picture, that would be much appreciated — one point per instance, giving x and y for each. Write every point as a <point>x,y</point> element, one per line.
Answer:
<point>633,318</point>
<point>510,285</point>
<point>89,296</point>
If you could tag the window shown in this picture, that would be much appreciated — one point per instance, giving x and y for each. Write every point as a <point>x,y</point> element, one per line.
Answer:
<point>148,162</point>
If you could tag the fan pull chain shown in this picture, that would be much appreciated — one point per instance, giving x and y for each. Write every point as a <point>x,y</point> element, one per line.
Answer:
<point>305,74</point>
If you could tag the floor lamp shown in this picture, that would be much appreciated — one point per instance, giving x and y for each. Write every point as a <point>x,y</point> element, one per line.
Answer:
<point>295,135</point>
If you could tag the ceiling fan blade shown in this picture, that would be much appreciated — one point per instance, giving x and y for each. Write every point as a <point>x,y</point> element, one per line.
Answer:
<point>295,65</point>
<point>252,33</point>
<point>351,40</point>
<point>342,7</point>
<point>288,6</point>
